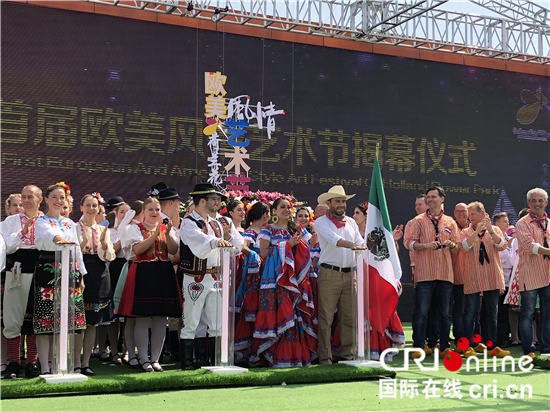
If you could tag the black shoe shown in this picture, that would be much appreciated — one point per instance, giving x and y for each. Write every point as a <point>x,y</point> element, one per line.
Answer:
<point>505,343</point>
<point>12,371</point>
<point>32,370</point>
<point>186,354</point>
<point>86,370</point>
<point>212,351</point>
<point>201,358</point>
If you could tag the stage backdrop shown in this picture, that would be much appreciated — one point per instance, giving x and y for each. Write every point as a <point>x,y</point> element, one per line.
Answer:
<point>115,105</point>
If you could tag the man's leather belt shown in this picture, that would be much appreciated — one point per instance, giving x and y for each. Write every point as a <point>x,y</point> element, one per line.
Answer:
<point>336,268</point>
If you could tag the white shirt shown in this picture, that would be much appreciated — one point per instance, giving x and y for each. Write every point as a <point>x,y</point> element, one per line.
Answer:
<point>46,228</point>
<point>114,239</point>
<point>2,254</point>
<point>202,245</point>
<point>329,235</point>
<point>12,229</point>
<point>93,247</point>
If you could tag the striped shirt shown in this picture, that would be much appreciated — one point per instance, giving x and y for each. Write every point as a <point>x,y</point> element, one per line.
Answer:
<point>459,266</point>
<point>478,277</point>
<point>431,264</point>
<point>533,269</point>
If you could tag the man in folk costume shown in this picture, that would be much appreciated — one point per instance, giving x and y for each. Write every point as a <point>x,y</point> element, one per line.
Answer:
<point>200,240</point>
<point>170,203</point>
<point>432,236</point>
<point>534,271</point>
<point>22,255</point>
<point>338,237</point>
<point>482,243</point>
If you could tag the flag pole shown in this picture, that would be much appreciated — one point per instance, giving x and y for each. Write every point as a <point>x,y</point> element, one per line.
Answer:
<point>361,295</point>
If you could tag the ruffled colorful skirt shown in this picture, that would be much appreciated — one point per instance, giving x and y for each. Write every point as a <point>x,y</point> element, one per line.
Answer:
<point>284,331</point>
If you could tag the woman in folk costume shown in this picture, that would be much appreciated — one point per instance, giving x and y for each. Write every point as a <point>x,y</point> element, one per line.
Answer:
<point>284,323</point>
<point>393,336</point>
<point>151,293</point>
<point>134,216</point>
<point>115,269</point>
<point>51,230</point>
<point>97,249</point>
<point>246,293</point>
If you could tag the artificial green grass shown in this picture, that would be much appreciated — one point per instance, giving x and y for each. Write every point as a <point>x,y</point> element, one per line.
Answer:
<point>542,362</point>
<point>177,380</point>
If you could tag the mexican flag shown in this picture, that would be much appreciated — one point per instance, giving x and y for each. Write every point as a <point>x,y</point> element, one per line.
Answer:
<point>383,262</point>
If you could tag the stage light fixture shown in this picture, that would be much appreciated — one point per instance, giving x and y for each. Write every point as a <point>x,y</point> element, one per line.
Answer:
<point>216,15</point>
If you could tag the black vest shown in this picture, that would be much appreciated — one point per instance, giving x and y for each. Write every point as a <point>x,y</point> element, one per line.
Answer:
<point>189,263</point>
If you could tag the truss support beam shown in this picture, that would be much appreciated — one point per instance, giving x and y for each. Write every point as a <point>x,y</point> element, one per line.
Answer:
<point>520,10</point>
<point>419,24</point>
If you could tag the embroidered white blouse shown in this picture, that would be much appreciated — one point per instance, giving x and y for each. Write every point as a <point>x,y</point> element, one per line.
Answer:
<point>46,228</point>
<point>93,247</point>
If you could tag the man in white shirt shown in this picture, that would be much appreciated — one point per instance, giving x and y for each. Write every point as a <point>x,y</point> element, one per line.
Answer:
<point>338,236</point>
<point>170,203</point>
<point>22,255</point>
<point>200,240</point>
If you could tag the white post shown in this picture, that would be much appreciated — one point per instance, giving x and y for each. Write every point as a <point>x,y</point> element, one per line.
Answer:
<point>225,342</point>
<point>226,282</point>
<point>361,296</point>
<point>63,307</point>
<point>360,307</point>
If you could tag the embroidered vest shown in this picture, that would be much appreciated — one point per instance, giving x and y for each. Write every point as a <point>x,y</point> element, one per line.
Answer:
<point>158,250</point>
<point>189,263</point>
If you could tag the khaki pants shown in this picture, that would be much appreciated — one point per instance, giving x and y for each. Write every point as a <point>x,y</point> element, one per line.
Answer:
<point>335,290</point>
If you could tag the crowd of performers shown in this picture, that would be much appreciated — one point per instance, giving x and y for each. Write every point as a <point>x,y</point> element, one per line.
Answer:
<point>147,276</point>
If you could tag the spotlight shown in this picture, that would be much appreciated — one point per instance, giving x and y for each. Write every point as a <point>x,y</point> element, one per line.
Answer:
<point>190,7</point>
<point>216,15</point>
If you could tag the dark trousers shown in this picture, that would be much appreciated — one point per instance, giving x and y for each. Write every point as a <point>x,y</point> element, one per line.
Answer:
<point>503,326</point>
<point>458,312</point>
<point>472,304</point>
<point>425,291</point>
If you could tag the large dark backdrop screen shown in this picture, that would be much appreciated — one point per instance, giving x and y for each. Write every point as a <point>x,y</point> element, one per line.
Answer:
<point>114,105</point>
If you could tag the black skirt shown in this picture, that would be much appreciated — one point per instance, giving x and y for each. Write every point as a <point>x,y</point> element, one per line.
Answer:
<point>98,296</point>
<point>115,267</point>
<point>151,289</point>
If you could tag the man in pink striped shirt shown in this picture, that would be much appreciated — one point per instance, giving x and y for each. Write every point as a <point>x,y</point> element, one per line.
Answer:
<point>534,271</point>
<point>482,243</point>
<point>432,236</point>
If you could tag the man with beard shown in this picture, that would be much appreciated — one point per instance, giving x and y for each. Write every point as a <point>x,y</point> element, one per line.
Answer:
<point>338,237</point>
<point>200,238</point>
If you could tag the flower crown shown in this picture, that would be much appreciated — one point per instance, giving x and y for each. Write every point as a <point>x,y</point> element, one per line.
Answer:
<point>65,187</point>
<point>97,195</point>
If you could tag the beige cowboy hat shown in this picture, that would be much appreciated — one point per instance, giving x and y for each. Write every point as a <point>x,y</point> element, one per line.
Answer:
<point>334,191</point>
